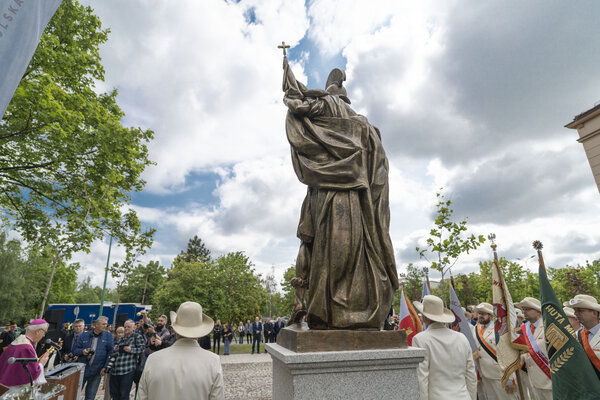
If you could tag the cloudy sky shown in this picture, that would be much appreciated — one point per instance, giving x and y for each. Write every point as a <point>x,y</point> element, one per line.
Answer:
<point>469,96</point>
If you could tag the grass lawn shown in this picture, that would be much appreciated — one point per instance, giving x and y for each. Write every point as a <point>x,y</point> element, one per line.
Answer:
<point>241,348</point>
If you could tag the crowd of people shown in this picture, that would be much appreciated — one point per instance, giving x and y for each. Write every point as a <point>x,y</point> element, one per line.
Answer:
<point>255,333</point>
<point>118,357</point>
<point>177,361</point>
<point>451,370</point>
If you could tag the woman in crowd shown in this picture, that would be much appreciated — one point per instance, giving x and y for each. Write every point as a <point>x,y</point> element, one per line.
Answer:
<point>241,333</point>
<point>227,337</point>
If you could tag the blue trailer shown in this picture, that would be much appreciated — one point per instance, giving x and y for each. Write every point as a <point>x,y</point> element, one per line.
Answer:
<point>89,312</point>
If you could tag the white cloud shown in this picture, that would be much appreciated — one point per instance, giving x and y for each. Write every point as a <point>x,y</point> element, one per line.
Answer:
<point>472,99</point>
<point>204,79</point>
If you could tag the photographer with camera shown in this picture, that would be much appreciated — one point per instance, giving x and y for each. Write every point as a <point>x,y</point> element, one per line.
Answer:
<point>94,348</point>
<point>130,348</point>
<point>158,336</point>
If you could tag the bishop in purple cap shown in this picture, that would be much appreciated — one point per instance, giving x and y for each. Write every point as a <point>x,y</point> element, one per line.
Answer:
<point>24,347</point>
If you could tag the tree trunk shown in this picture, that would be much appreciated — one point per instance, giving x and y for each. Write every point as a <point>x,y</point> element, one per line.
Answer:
<point>54,261</point>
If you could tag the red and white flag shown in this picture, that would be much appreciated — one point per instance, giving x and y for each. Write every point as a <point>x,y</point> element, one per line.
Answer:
<point>507,345</point>
<point>408,319</point>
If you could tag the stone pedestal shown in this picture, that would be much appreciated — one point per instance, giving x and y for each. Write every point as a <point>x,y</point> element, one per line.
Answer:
<point>353,374</point>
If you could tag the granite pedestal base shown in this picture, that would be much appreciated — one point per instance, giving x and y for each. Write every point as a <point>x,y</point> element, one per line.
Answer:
<point>347,375</point>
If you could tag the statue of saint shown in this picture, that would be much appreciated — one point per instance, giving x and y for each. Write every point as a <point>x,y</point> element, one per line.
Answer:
<point>346,260</point>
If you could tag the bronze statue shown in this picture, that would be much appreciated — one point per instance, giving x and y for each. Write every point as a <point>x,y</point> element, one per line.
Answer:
<point>346,259</point>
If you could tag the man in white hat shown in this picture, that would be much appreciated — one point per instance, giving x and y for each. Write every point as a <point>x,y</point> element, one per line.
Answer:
<point>587,311</point>
<point>184,371</point>
<point>448,371</point>
<point>491,373</point>
<point>536,361</point>
<point>570,313</point>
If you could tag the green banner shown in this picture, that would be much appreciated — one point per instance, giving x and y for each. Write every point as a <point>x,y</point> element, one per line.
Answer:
<point>573,376</point>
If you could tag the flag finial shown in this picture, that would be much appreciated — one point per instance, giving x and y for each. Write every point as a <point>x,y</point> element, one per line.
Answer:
<point>492,238</point>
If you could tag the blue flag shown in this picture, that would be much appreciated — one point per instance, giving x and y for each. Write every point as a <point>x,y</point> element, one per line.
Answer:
<point>425,290</point>
<point>22,23</point>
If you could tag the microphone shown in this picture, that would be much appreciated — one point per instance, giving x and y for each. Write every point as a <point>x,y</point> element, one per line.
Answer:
<point>51,342</point>
<point>13,360</point>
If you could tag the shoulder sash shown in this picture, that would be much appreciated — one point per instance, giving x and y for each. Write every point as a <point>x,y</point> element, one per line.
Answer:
<point>484,344</point>
<point>583,336</point>
<point>541,360</point>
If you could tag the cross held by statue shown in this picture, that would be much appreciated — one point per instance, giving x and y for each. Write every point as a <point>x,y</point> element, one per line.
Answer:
<point>283,46</point>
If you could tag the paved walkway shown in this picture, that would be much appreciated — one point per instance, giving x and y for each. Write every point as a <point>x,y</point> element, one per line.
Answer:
<point>246,376</point>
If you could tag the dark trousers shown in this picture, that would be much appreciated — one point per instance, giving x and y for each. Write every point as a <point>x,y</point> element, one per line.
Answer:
<point>91,384</point>
<point>249,338</point>
<point>256,341</point>
<point>120,386</point>
<point>217,343</point>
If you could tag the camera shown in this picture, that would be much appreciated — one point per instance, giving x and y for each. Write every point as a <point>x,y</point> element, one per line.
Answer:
<point>122,348</point>
<point>90,351</point>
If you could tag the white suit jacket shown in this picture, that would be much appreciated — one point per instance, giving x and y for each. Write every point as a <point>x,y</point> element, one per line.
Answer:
<point>448,371</point>
<point>537,377</point>
<point>489,368</point>
<point>184,371</point>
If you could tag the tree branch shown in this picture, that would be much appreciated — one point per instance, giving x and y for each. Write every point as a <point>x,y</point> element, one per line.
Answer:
<point>26,167</point>
<point>12,179</point>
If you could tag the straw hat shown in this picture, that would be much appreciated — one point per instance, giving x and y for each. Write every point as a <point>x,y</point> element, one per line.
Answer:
<point>190,322</point>
<point>530,302</point>
<point>418,305</point>
<point>569,312</point>
<point>485,307</point>
<point>583,301</point>
<point>433,308</point>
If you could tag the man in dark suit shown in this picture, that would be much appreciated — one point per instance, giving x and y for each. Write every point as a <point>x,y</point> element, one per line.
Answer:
<point>70,340</point>
<point>278,327</point>
<point>257,328</point>
<point>268,331</point>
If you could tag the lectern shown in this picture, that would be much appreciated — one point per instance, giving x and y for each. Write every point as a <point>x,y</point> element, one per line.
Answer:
<point>71,376</point>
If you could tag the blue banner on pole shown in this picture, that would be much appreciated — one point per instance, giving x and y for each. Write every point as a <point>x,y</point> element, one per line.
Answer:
<point>22,23</point>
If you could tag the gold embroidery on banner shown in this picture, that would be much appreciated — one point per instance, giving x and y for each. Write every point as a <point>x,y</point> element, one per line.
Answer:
<point>555,338</point>
<point>561,360</point>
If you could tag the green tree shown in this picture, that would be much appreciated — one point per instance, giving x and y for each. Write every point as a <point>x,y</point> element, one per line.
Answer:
<point>67,165</point>
<point>570,281</point>
<point>196,251</point>
<point>12,284</point>
<point>227,288</point>
<point>287,298</point>
<point>87,293</point>
<point>143,282</point>
<point>464,286</point>
<point>447,240</point>
<point>413,287</point>
<point>515,276</point>
<point>240,289</point>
